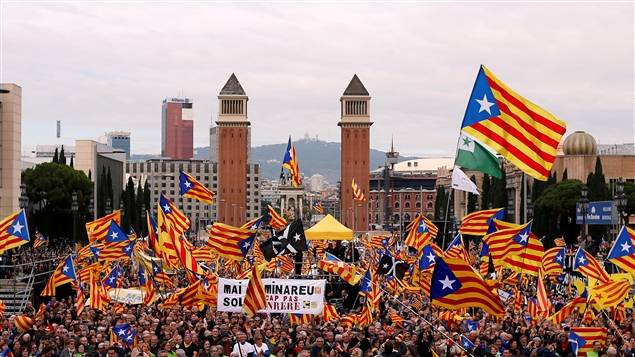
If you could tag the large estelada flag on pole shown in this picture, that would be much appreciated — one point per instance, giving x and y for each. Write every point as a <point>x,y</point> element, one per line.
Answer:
<point>519,130</point>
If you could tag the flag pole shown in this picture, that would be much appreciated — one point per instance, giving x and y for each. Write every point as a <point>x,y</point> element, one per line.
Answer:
<point>445,221</point>
<point>409,308</point>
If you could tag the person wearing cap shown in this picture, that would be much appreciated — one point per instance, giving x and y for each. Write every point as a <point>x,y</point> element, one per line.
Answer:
<point>188,346</point>
<point>242,347</point>
<point>225,344</point>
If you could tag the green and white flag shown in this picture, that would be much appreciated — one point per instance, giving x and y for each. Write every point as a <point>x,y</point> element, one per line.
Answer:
<point>472,155</point>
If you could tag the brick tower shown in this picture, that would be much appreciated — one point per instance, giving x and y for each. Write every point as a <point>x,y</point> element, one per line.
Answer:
<point>355,124</point>
<point>233,142</point>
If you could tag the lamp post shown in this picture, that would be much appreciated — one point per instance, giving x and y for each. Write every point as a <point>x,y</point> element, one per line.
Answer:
<point>143,219</point>
<point>584,206</point>
<point>620,201</point>
<point>108,206</point>
<point>359,209</point>
<point>530,208</point>
<point>510,207</point>
<point>75,209</point>
<point>490,205</point>
<point>225,215</point>
<point>234,217</point>
<point>91,207</point>
<point>23,200</point>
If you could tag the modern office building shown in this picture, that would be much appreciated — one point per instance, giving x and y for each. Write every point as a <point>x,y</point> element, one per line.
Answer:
<point>163,177</point>
<point>120,140</point>
<point>49,151</point>
<point>177,128</point>
<point>355,136</point>
<point>10,146</point>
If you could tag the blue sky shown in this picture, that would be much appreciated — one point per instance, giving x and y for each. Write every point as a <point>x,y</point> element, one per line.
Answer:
<point>103,66</point>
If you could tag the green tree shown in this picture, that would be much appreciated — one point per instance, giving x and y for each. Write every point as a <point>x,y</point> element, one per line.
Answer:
<point>138,204</point>
<point>62,157</point>
<point>50,185</point>
<point>558,203</point>
<point>499,190</point>
<point>485,195</point>
<point>73,164</point>
<point>565,175</point>
<point>147,196</point>
<point>598,191</point>
<point>471,198</point>
<point>109,188</point>
<point>56,157</point>
<point>440,202</point>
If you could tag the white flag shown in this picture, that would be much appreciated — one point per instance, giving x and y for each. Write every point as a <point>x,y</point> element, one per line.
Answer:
<point>460,181</point>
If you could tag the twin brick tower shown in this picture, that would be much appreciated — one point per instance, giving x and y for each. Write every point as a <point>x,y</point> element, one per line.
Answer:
<point>234,143</point>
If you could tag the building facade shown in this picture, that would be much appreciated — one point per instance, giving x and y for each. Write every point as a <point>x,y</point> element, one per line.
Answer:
<point>177,128</point>
<point>162,176</point>
<point>355,153</point>
<point>94,158</point>
<point>10,147</point>
<point>120,140</point>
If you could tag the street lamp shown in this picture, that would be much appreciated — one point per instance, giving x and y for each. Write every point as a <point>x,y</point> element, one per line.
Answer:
<point>23,200</point>
<point>143,219</point>
<point>584,206</point>
<point>620,201</point>
<point>490,205</point>
<point>108,206</point>
<point>530,208</point>
<point>75,209</point>
<point>91,207</point>
<point>510,207</point>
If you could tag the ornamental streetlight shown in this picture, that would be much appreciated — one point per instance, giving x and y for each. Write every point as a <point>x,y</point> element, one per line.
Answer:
<point>108,206</point>
<point>620,201</point>
<point>23,200</point>
<point>75,210</point>
<point>143,219</point>
<point>530,208</point>
<point>91,207</point>
<point>584,206</point>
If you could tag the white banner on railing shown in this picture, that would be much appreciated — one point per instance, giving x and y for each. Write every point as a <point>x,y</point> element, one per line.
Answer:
<point>283,295</point>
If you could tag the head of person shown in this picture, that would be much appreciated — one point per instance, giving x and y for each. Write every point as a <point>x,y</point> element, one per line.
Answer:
<point>180,353</point>
<point>388,346</point>
<point>162,353</point>
<point>112,351</point>
<point>597,346</point>
<point>550,345</point>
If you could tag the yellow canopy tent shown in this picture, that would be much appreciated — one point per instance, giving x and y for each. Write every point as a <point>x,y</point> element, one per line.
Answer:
<point>329,229</point>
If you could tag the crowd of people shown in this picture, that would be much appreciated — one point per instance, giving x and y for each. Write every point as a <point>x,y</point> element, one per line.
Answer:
<point>425,330</point>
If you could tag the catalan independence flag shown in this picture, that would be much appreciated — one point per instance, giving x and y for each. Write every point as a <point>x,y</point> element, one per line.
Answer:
<point>177,219</point>
<point>610,294</point>
<point>39,239</point>
<point>225,239</point>
<point>477,223</point>
<point>582,338</point>
<point>255,297</point>
<point>291,162</point>
<point>553,261</point>
<point>455,285</point>
<point>529,260</point>
<point>586,264</point>
<point>358,193</point>
<point>519,130</point>
<point>65,273</point>
<point>98,229</point>
<point>578,303</point>
<point>23,323</point>
<point>419,235</point>
<point>506,242</point>
<point>275,220</point>
<point>622,253</point>
<point>13,231</point>
<point>191,188</point>
<point>318,207</point>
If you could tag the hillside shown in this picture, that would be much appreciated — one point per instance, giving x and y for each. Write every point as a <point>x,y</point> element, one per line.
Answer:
<point>315,157</point>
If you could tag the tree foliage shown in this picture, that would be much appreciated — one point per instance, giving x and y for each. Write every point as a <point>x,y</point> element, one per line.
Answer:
<point>557,203</point>
<point>49,188</point>
<point>598,191</point>
<point>440,203</point>
<point>471,198</point>
<point>62,158</point>
<point>485,195</point>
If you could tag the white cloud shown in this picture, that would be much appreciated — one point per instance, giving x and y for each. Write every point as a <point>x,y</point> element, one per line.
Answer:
<point>105,66</point>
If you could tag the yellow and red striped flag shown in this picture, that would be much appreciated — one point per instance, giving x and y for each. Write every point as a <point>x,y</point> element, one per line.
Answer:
<point>584,337</point>
<point>560,242</point>
<point>529,260</point>
<point>543,305</point>
<point>455,284</point>
<point>98,229</point>
<point>343,270</point>
<point>349,320</point>
<point>358,193</point>
<point>506,242</point>
<point>329,313</point>
<point>39,239</point>
<point>255,297</point>
<point>299,319</point>
<point>419,234</point>
<point>586,264</point>
<point>290,161</point>
<point>80,301</point>
<point>610,294</point>
<point>13,231</point>
<point>177,219</point>
<point>553,261</point>
<point>589,317</point>
<point>191,188</point>
<point>3,308</point>
<point>477,223</point>
<point>96,296</point>
<point>622,253</point>
<point>522,132</point>
<point>567,310</point>
<point>275,220</point>
<point>396,319</point>
<point>23,323</point>
<point>225,239</point>
<point>64,273</point>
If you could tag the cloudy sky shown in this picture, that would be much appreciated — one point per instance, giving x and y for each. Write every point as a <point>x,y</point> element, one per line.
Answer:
<point>103,66</point>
